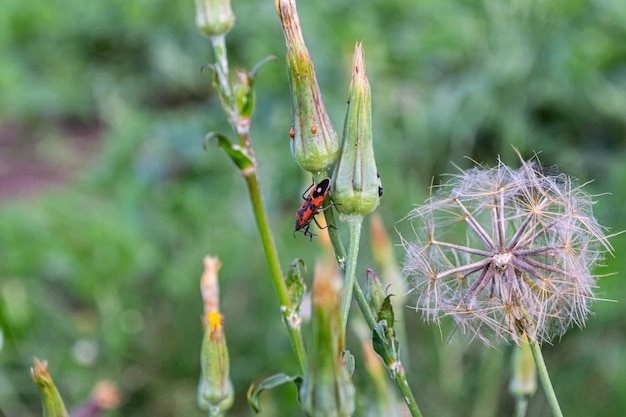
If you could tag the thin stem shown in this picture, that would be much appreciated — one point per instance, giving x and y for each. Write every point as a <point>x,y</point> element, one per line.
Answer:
<point>354,227</point>
<point>521,405</point>
<point>221,64</point>
<point>545,380</point>
<point>335,240</point>
<point>271,253</point>
<point>289,312</point>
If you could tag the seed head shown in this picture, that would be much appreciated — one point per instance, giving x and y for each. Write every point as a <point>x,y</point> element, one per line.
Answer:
<point>505,251</point>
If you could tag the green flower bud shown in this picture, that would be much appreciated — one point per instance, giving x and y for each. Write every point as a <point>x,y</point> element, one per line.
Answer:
<point>314,141</point>
<point>215,391</point>
<point>356,185</point>
<point>214,17</point>
<point>327,389</point>
<point>50,398</point>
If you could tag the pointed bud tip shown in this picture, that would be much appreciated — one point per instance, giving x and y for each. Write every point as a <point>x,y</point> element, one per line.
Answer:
<point>39,370</point>
<point>358,62</point>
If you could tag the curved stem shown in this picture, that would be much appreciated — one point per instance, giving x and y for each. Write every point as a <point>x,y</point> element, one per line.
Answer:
<point>545,380</point>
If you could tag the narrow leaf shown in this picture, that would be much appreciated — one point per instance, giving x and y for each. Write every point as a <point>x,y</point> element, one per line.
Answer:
<point>239,156</point>
<point>273,381</point>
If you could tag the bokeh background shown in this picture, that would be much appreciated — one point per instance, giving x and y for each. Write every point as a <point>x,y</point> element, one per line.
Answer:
<point>108,202</point>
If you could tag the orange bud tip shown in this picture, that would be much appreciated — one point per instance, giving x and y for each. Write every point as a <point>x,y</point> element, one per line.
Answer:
<point>214,319</point>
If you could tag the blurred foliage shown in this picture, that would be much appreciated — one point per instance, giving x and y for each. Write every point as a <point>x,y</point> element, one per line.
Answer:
<point>100,274</point>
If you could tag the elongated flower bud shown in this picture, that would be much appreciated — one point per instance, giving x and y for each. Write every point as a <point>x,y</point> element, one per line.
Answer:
<point>327,389</point>
<point>50,398</point>
<point>215,391</point>
<point>214,17</point>
<point>355,183</point>
<point>314,141</point>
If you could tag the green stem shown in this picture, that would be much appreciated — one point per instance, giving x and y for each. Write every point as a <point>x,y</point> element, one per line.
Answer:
<point>289,312</point>
<point>335,240</point>
<point>521,405</point>
<point>354,226</point>
<point>221,64</point>
<point>295,335</point>
<point>545,379</point>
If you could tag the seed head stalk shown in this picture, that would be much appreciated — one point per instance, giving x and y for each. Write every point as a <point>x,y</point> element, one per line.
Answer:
<point>545,379</point>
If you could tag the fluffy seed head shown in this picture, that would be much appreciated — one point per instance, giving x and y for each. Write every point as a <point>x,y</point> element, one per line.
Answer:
<point>504,250</point>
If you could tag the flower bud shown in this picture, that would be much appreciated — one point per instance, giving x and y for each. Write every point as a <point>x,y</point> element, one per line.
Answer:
<point>355,182</point>
<point>50,398</point>
<point>327,389</point>
<point>214,17</point>
<point>215,391</point>
<point>314,143</point>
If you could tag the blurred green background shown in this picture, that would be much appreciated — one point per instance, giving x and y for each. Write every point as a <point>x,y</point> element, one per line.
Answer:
<point>108,202</point>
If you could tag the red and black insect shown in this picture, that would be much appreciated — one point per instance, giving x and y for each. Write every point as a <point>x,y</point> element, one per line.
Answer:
<point>311,206</point>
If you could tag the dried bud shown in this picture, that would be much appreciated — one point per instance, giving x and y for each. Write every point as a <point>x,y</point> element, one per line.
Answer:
<point>327,389</point>
<point>214,17</point>
<point>50,398</point>
<point>314,143</point>
<point>208,284</point>
<point>356,183</point>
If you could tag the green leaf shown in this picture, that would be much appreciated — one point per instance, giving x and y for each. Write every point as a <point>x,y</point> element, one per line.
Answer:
<point>384,339</point>
<point>386,312</point>
<point>239,155</point>
<point>273,381</point>
<point>295,283</point>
